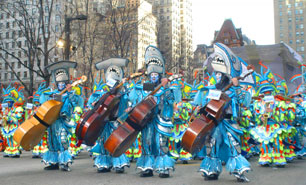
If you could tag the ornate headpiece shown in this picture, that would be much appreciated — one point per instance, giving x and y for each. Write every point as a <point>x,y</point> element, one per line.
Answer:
<point>60,70</point>
<point>113,68</point>
<point>265,82</point>
<point>13,95</point>
<point>154,60</point>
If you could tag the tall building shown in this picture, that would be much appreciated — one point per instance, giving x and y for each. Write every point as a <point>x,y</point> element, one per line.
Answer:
<point>186,32</point>
<point>289,23</point>
<point>174,31</point>
<point>137,26</point>
<point>23,33</point>
<point>146,31</point>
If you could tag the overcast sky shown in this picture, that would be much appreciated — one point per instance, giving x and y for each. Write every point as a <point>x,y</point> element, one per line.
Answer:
<point>254,17</point>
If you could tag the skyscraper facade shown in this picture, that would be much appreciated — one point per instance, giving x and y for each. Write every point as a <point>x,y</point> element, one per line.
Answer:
<point>289,23</point>
<point>174,31</point>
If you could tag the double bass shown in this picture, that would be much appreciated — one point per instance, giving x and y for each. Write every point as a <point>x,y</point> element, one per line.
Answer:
<point>194,137</point>
<point>126,133</point>
<point>93,121</point>
<point>30,132</point>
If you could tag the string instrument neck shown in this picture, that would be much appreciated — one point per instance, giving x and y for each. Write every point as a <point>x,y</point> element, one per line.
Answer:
<point>155,90</point>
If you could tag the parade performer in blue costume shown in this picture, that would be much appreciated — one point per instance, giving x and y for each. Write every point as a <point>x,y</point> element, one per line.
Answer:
<point>246,124</point>
<point>299,123</point>
<point>58,155</point>
<point>74,149</point>
<point>114,73</point>
<point>154,137</point>
<point>223,143</point>
<point>134,152</point>
<point>12,105</point>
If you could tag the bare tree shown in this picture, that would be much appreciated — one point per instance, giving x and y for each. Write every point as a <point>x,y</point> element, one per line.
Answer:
<point>109,33</point>
<point>29,32</point>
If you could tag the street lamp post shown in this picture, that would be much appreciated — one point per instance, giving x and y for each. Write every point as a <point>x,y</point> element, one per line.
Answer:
<point>67,33</point>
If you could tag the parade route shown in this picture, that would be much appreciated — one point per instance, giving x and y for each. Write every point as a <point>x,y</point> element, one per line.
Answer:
<point>26,170</point>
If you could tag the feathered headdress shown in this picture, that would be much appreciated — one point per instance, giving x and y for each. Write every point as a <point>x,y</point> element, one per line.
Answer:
<point>13,95</point>
<point>41,89</point>
<point>265,82</point>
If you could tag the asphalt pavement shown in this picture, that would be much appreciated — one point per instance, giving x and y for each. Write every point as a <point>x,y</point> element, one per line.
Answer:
<point>25,170</point>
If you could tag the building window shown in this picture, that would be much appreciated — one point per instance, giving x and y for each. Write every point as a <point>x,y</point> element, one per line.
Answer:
<point>280,13</point>
<point>289,5</point>
<point>301,11</point>
<point>280,6</point>
<point>5,76</point>
<point>289,13</point>
<point>57,7</point>
<point>302,26</point>
<point>297,33</point>
<point>302,41</point>
<point>8,25</point>
<point>281,35</point>
<point>302,48</point>
<point>58,18</point>
<point>25,74</point>
<point>302,33</point>
<point>297,41</point>
<point>289,19</point>
<point>56,28</point>
<point>46,29</point>
<point>290,41</point>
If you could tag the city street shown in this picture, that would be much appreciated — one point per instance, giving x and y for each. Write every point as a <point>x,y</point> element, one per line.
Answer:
<point>26,170</point>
